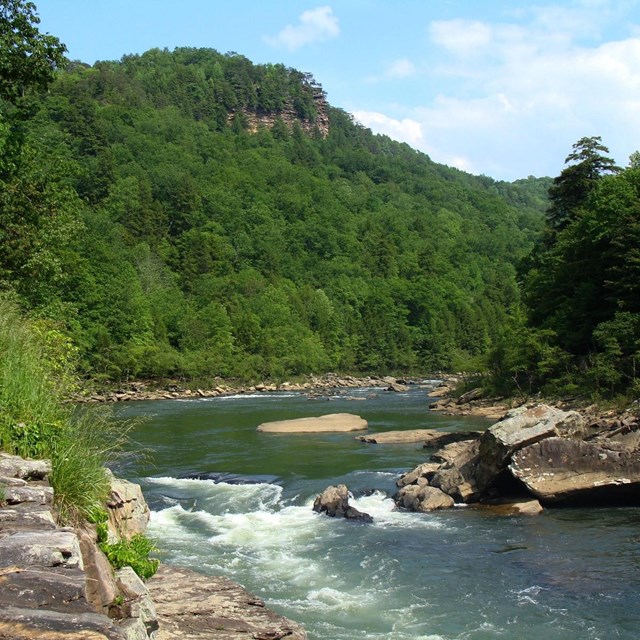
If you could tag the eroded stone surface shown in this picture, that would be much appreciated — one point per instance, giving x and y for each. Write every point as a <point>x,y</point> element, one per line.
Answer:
<point>192,606</point>
<point>562,470</point>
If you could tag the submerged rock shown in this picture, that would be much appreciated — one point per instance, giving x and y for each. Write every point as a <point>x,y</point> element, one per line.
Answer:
<point>334,502</point>
<point>229,478</point>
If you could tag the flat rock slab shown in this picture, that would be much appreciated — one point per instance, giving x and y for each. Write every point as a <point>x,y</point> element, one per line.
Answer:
<point>34,624</point>
<point>60,590</point>
<point>428,437</point>
<point>40,548</point>
<point>191,606</point>
<point>337,422</point>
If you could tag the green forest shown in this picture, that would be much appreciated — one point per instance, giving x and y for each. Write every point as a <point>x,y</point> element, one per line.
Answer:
<point>190,214</point>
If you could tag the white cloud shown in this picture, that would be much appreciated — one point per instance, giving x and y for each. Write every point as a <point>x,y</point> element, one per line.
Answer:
<point>315,25</point>
<point>406,130</point>
<point>515,95</point>
<point>461,36</point>
<point>400,69</point>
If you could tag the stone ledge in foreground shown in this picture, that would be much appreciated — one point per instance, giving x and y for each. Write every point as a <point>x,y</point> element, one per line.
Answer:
<point>192,606</point>
<point>332,422</point>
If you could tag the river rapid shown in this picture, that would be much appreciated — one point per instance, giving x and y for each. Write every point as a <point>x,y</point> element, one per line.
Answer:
<point>462,574</point>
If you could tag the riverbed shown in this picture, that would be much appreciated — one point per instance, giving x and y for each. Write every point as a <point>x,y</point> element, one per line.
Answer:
<point>457,575</point>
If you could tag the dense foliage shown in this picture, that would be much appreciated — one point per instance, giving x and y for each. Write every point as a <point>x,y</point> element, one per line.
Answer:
<point>145,214</point>
<point>581,285</point>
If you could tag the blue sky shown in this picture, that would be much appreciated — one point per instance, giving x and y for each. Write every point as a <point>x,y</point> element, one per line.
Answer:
<point>495,87</point>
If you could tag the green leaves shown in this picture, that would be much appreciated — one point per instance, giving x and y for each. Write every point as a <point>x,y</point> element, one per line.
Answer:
<point>28,58</point>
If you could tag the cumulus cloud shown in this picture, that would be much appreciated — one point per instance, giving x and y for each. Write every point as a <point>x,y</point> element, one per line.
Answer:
<point>406,130</point>
<point>515,93</point>
<point>314,25</point>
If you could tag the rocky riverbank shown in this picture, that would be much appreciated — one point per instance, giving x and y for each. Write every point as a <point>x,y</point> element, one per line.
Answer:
<point>314,386</point>
<point>538,453</point>
<point>55,582</point>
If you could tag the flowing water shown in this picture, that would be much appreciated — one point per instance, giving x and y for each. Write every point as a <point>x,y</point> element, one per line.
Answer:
<point>456,575</point>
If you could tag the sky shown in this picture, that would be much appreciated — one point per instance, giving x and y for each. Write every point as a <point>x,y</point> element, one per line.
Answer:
<point>502,88</point>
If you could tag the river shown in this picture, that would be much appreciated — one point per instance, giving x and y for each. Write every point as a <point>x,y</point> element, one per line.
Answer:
<point>462,574</point>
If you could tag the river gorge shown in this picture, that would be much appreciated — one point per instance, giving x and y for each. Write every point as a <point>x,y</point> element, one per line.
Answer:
<point>464,574</point>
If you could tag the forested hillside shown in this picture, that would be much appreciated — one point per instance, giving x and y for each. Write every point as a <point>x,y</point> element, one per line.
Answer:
<point>189,213</point>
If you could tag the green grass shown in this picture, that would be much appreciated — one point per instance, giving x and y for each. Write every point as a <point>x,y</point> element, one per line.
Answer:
<point>36,423</point>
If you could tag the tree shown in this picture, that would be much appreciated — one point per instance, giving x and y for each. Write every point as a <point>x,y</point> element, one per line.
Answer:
<point>572,187</point>
<point>28,58</point>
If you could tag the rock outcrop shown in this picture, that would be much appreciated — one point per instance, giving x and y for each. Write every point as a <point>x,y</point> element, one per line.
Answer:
<point>534,455</point>
<point>334,502</point>
<point>568,471</point>
<point>192,606</point>
<point>56,583</point>
<point>339,422</point>
<point>43,584</point>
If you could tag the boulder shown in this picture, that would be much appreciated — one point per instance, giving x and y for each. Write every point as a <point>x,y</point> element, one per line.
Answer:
<point>423,498</point>
<point>457,474</point>
<point>137,603</point>
<point>127,510</point>
<point>200,607</point>
<point>567,471</point>
<point>329,422</point>
<point>334,502</point>
<point>101,588</point>
<point>469,396</point>
<point>521,428</point>
<point>425,470</point>
<point>397,387</point>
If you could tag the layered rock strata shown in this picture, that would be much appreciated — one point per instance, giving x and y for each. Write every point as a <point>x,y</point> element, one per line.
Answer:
<point>537,453</point>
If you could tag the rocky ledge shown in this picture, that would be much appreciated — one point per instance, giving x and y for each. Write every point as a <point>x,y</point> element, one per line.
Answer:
<point>55,582</point>
<point>534,453</point>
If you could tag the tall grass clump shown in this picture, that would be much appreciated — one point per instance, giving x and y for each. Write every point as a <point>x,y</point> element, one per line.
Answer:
<point>35,422</point>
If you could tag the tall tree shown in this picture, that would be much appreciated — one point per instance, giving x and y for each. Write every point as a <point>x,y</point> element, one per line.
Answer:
<point>28,58</point>
<point>587,164</point>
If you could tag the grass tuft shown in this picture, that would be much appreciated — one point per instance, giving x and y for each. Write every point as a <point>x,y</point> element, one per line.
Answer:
<point>36,423</point>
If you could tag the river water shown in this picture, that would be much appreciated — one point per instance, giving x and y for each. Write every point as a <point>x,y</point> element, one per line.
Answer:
<point>462,574</point>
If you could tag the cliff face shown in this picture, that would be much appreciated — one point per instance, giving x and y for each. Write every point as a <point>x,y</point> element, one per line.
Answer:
<point>319,123</point>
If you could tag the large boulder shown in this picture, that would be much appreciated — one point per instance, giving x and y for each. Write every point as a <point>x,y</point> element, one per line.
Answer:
<point>329,422</point>
<point>334,502</point>
<point>521,428</point>
<point>569,471</point>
